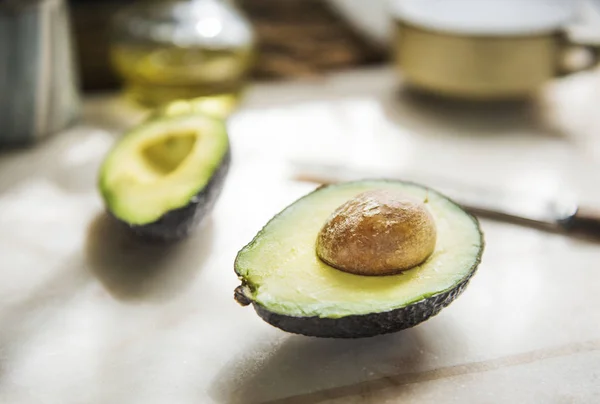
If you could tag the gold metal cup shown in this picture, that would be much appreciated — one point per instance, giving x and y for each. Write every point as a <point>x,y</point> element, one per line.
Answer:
<point>480,67</point>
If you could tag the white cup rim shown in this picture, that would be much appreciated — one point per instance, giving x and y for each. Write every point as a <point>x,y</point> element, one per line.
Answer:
<point>486,17</point>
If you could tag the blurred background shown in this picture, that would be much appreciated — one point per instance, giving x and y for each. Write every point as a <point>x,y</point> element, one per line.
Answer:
<point>494,102</point>
<point>294,38</point>
<point>160,51</point>
<point>285,39</point>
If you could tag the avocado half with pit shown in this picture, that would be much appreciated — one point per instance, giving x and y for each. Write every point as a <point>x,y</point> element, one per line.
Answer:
<point>359,259</point>
<point>165,175</point>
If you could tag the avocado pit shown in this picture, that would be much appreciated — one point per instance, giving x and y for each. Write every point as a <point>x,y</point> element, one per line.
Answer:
<point>378,232</point>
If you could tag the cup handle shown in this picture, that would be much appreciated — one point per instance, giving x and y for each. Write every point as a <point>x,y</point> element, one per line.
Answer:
<point>566,45</point>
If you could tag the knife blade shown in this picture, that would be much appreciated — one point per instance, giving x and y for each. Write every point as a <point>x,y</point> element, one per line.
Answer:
<point>558,213</point>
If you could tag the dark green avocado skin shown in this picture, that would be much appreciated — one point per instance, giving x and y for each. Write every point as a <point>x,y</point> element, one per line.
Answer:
<point>180,223</point>
<point>367,325</point>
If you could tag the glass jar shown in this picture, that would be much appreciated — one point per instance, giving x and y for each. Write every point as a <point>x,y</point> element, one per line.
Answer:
<point>183,50</point>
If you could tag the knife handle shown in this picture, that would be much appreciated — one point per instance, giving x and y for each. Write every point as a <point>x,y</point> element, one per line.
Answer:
<point>586,221</point>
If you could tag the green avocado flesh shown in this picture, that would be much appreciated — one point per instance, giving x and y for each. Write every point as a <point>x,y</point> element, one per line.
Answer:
<point>281,272</point>
<point>161,165</point>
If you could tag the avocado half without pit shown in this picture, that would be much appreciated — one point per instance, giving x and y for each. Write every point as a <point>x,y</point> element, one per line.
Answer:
<point>359,259</point>
<point>165,175</point>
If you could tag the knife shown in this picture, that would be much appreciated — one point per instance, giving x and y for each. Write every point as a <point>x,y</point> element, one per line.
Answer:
<point>559,214</point>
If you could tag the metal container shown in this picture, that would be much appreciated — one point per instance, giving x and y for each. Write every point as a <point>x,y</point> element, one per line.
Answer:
<point>484,50</point>
<point>38,82</point>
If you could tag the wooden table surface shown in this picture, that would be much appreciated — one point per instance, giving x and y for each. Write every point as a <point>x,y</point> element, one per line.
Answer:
<point>88,315</point>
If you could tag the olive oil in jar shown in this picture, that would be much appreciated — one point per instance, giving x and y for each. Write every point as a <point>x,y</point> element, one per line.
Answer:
<point>174,50</point>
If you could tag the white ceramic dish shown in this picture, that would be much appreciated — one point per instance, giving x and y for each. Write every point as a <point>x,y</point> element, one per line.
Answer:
<point>374,18</point>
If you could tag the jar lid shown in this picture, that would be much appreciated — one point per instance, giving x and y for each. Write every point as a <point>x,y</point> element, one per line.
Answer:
<point>486,17</point>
